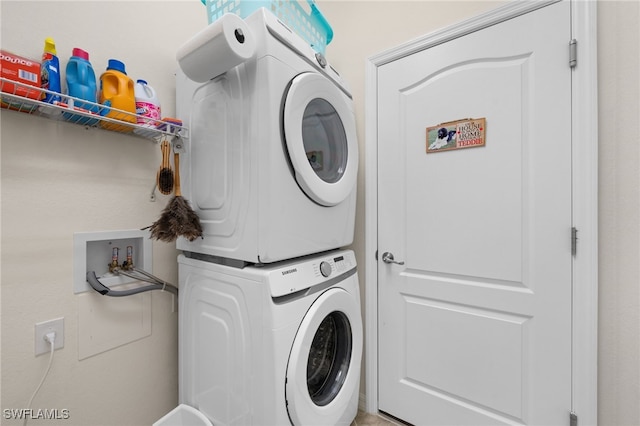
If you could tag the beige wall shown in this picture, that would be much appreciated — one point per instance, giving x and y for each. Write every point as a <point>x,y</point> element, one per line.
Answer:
<point>58,179</point>
<point>619,211</point>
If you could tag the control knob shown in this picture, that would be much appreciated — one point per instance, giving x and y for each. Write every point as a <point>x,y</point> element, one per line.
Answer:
<point>321,60</point>
<point>325,269</point>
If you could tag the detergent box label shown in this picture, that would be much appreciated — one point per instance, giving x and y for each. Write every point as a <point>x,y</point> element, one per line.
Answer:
<point>149,110</point>
<point>459,134</point>
<point>19,76</point>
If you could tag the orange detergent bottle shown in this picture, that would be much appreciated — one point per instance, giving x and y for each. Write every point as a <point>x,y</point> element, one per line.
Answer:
<point>117,94</point>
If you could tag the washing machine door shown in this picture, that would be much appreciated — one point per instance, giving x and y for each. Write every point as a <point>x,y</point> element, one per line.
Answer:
<point>320,134</point>
<point>323,373</point>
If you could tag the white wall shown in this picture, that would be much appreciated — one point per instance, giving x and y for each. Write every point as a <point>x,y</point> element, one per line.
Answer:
<point>58,179</point>
<point>365,28</point>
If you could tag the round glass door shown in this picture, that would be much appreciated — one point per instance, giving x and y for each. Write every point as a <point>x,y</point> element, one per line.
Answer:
<point>329,358</point>
<point>324,140</point>
<point>323,373</point>
<point>319,130</point>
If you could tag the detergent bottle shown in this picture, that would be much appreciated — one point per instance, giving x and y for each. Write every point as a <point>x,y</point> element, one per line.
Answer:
<point>118,96</point>
<point>50,72</point>
<point>81,84</point>
<point>147,104</point>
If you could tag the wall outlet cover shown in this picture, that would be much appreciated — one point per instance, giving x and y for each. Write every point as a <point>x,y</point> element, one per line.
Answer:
<point>42,329</point>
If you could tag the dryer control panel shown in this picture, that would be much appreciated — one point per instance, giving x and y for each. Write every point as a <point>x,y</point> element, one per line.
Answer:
<point>300,274</point>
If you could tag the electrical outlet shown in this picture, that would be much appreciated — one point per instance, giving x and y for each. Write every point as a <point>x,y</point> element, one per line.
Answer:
<point>42,328</point>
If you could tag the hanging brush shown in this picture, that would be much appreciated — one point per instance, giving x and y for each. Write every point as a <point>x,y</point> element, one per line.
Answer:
<point>177,219</point>
<point>165,174</point>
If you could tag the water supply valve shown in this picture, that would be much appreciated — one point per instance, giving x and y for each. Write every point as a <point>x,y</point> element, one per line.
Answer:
<point>114,260</point>
<point>128,264</point>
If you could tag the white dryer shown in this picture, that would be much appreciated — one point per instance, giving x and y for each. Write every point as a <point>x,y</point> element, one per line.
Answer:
<point>272,157</point>
<point>273,345</point>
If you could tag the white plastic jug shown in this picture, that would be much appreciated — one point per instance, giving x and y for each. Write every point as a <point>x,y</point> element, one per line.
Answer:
<point>147,104</point>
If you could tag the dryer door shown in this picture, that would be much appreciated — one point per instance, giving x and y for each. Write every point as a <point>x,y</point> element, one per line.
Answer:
<point>320,134</point>
<point>323,373</point>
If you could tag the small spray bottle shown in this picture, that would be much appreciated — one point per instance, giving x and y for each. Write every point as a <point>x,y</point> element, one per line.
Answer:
<point>50,71</point>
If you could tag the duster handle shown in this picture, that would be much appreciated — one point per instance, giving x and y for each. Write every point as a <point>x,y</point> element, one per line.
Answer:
<point>176,183</point>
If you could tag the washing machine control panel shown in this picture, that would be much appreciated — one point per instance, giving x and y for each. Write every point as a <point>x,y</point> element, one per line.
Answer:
<point>295,276</point>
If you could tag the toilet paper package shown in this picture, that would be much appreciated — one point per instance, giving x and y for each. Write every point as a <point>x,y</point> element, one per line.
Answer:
<point>221,46</point>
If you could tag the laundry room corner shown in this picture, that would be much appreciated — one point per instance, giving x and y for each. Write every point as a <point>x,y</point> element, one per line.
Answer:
<point>59,179</point>
<point>277,278</point>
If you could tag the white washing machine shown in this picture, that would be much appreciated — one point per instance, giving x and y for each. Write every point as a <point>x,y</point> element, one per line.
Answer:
<point>272,157</point>
<point>273,345</point>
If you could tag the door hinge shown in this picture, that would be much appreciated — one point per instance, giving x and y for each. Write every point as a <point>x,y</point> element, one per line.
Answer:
<point>573,419</point>
<point>574,241</point>
<point>573,53</point>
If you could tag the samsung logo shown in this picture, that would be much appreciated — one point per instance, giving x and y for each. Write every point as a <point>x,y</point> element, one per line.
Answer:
<point>289,271</point>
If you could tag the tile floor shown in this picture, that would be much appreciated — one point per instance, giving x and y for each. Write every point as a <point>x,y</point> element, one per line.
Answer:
<point>366,419</point>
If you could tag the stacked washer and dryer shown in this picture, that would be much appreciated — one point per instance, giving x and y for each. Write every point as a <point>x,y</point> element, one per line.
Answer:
<point>270,329</point>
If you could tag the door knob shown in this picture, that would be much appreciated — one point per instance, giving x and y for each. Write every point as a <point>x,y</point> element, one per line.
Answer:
<point>388,258</point>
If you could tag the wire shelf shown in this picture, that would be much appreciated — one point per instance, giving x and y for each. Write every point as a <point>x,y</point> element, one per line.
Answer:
<point>25,98</point>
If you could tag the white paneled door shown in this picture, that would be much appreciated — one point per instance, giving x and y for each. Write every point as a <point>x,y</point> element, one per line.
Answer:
<point>475,307</point>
